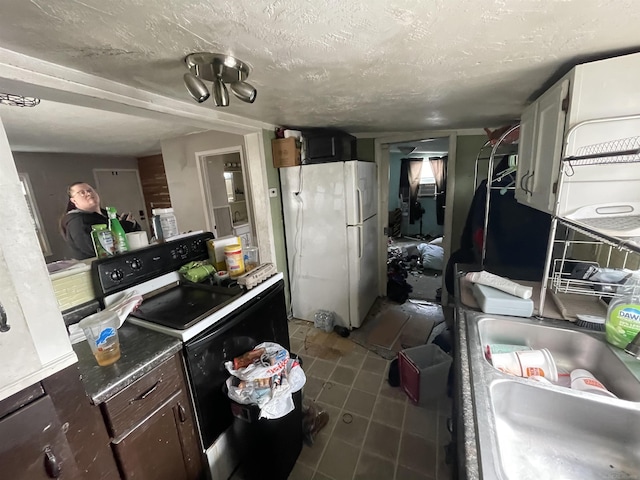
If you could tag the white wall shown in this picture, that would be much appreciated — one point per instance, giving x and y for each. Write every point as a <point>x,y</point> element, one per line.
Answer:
<point>180,164</point>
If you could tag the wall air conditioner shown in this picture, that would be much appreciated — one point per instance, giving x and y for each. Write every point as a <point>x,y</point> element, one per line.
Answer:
<point>427,190</point>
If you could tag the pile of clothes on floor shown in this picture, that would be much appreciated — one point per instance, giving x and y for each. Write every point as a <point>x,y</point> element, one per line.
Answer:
<point>427,255</point>
<point>401,259</point>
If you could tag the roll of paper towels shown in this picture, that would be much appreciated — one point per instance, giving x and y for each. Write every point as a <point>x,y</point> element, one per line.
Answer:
<point>137,240</point>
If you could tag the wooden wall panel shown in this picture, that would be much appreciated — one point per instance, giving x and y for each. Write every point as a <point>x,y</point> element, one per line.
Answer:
<point>154,183</point>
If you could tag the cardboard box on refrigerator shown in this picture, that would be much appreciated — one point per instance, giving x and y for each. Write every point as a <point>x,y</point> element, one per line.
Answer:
<point>286,152</point>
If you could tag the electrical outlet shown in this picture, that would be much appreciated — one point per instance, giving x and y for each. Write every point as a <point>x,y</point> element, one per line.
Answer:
<point>273,192</point>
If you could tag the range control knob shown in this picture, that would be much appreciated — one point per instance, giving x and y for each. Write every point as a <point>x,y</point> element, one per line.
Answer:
<point>182,250</point>
<point>136,264</point>
<point>196,246</point>
<point>117,275</point>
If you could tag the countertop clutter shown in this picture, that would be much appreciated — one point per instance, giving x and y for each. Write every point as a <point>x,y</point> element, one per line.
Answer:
<point>513,427</point>
<point>141,351</point>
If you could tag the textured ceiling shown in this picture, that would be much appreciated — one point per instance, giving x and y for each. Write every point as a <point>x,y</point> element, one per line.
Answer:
<point>361,65</point>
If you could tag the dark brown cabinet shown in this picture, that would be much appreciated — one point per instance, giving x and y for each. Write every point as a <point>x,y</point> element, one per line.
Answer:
<point>34,445</point>
<point>152,427</point>
<point>52,430</point>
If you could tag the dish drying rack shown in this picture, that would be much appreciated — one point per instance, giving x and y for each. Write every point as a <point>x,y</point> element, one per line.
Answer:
<point>605,239</point>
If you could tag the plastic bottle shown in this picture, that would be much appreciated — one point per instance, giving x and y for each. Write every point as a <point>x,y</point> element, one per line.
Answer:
<point>119,235</point>
<point>102,240</point>
<point>164,223</point>
<point>623,314</point>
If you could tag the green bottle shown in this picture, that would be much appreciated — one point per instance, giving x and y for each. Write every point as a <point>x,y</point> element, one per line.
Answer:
<point>119,236</point>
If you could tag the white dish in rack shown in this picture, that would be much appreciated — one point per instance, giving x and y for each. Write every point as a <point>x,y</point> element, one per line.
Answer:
<point>615,219</point>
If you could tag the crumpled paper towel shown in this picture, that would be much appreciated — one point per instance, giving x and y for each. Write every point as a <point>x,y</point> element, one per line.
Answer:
<point>123,307</point>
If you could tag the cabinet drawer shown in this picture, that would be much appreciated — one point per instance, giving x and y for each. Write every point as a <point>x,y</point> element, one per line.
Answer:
<point>133,404</point>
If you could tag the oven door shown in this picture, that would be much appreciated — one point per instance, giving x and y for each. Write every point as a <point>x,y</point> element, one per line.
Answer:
<point>262,319</point>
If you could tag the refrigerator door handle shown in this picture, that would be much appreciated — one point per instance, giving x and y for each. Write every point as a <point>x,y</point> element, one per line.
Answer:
<point>360,213</point>
<point>360,240</point>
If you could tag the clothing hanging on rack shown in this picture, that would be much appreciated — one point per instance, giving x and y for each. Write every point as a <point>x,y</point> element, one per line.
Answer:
<point>410,171</point>
<point>517,235</point>
<point>439,169</point>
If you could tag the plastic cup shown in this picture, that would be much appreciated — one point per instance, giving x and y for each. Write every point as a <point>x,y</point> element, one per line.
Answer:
<point>251,259</point>
<point>584,381</point>
<point>101,330</point>
<point>527,363</point>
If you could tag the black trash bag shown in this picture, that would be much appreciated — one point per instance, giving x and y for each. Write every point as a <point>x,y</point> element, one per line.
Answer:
<point>394,373</point>
<point>398,289</point>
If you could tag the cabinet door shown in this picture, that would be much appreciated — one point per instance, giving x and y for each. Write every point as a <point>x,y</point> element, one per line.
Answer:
<point>526,152</point>
<point>36,343</point>
<point>164,446</point>
<point>549,137</point>
<point>34,445</point>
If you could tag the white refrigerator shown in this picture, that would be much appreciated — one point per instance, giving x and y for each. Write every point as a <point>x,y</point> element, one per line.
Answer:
<point>331,229</point>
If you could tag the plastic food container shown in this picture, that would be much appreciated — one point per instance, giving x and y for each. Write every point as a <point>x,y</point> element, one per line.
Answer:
<point>527,363</point>
<point>251,259</point>
<point>164,223</point>
<point>101,330</point>
<point>234,260</point>
<point>584,380</point>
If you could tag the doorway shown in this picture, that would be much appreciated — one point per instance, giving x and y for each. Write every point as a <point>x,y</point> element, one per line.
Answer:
<point>443,143</point>
<point>224,193</point>
<point>416,213</point>
<point>121,188</point>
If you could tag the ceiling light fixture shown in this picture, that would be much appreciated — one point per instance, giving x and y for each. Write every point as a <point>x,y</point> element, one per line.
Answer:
<point>196,88</point>
<point>220,70</point>
<point>406,149</point>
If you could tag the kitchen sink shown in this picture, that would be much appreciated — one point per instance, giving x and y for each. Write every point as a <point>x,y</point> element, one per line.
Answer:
<point>544,433</point>
<point>570,348</point>
<point>529,430</point>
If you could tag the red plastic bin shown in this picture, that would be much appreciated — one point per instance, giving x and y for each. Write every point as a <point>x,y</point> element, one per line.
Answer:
<point>424,372</point>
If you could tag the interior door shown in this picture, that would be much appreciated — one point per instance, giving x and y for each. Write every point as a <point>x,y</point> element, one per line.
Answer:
<point>122,189</point>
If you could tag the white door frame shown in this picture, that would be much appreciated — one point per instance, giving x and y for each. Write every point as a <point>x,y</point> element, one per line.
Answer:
<point>205,188</point>
<point>382,159</point>
<point>146,223</point>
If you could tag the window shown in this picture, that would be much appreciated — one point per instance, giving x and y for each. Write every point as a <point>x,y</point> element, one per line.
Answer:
<point>35,214</point>
<point>427,181</point>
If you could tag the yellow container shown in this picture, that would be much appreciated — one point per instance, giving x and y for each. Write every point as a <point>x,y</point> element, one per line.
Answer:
<point>234,260</point>
<point>215,248</point>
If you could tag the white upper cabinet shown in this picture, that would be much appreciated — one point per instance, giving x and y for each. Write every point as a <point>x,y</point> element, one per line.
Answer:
<point>33,338</point>
<point>590,91</point>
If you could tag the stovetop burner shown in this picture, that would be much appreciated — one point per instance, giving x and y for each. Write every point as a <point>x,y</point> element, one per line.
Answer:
<point>181,305</point>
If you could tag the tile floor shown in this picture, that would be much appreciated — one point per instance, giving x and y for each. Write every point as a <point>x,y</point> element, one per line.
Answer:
<point>374,431</point>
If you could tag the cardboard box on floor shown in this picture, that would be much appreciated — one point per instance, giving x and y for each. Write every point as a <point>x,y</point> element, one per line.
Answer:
<point>286,152</point>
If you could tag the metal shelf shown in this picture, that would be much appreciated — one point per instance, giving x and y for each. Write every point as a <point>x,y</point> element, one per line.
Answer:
<point>558,275</point>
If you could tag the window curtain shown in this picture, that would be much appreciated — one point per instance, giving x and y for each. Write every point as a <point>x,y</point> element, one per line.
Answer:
<point>410,170</point>
<point>439,168</point>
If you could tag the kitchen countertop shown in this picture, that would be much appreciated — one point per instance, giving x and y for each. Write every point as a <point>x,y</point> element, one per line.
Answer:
<point>469,462</point>
<point>141,351</point>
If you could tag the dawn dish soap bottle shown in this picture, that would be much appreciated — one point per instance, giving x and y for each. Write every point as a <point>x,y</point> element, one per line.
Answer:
<point>119,235</point>
<point>623,314</point>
